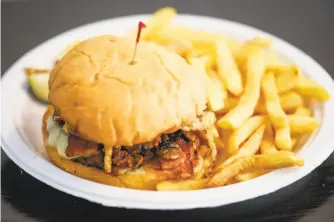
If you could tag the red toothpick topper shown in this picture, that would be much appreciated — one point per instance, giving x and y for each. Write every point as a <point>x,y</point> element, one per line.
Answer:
<point>141,25</point>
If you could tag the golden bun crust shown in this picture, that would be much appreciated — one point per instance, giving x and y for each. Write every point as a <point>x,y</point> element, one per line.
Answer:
<point>144,179</point>
<point>109,101</point>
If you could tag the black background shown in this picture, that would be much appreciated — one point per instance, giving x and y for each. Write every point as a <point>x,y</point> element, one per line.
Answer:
<point>308,24</point>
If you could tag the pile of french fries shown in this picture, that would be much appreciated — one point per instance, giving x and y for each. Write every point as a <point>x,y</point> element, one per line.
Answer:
<point>261,103</point>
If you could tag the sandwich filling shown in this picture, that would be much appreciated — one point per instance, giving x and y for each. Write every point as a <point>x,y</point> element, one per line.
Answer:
<point>177,151</point>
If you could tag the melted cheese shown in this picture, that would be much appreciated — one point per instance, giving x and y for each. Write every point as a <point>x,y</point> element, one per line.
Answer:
<point>57,137</point>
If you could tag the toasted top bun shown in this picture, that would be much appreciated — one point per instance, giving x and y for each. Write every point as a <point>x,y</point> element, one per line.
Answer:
<point>96,91</point>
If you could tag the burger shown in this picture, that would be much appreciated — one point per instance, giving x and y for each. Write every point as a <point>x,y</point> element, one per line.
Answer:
<point>126,124</point>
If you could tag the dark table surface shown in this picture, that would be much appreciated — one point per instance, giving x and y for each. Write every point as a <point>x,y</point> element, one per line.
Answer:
<point>308,24</point>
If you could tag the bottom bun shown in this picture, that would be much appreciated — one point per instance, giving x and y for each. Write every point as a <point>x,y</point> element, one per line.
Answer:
<point>145,178</point>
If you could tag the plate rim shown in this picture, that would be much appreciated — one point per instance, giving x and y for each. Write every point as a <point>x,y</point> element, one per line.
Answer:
<point>155,201</point>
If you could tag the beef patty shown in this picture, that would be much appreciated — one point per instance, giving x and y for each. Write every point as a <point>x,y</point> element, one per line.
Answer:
<point>174,151</point>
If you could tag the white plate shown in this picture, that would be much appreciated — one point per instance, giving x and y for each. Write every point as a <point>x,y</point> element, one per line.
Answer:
<point>22,139</point>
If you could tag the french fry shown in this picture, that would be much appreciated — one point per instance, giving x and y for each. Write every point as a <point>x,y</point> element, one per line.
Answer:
<point>250,147</point>
<point>286,82</point>
<point>277,160</point>
<point>171,42</point>
<point>201,39</point>
<point>280,69</point>
<point>215,94</point>
<point>251,174</point>
<point>211,143</point>
<point>286,77</point>
<point>161,19</point>
<point>267,145</point>
<point>252,46</point>
<point>289,101</point>
<point>107,159</point>
<point>310,88</point>
<point>239,135</point>
<point>227,68</point>
<point>275,112</point>
<point>283,138</point>
<point>214,77</point>
<point>303,111</point>
<point>302,124</point>
<point>246,105</point>
<point>177,185</point>
<point>230,171</point>
<point>272,103</point>
<point>280,159</point>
